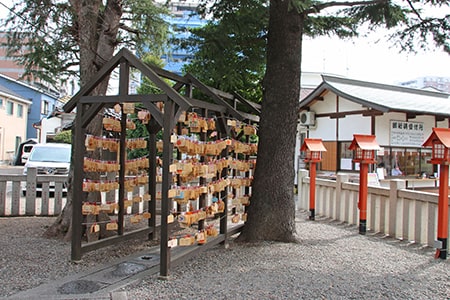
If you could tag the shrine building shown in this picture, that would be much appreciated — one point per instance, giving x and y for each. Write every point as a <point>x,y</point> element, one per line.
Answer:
<point>401,119</point>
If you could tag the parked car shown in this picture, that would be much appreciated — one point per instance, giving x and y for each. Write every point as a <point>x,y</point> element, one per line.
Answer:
<point>48,159</point>
<point>18,161</point>
<point>26,152</point>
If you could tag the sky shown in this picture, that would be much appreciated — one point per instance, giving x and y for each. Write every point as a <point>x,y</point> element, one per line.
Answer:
<point>369,59</point>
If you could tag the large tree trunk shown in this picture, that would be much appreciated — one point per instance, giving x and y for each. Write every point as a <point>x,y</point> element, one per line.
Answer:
<point>271,215</point>
<point>97,39</point>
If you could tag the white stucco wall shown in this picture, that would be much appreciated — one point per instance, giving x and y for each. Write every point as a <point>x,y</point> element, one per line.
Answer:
<point>353,124</point>
<point>346,105</point>
<point>383,123</point>
<point>324,129</point>
<point>48,126</point>
<point>382,126</point>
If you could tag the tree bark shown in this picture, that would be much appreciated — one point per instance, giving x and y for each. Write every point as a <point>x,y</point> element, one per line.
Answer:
<point>271,215</point>
<point>97,39</point>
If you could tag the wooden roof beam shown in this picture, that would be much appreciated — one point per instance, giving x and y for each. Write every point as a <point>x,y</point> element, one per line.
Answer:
<point>255,107</point>
<point>209,92</point>
<point>120,98</point>
<point>365,113</point>
<point>154,77</point>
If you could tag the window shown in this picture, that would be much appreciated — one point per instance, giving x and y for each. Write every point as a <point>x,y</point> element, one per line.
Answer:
<point>19,110</point>
<point>1,103</point>
<point>346,156</point>
<point>405,161</point>
<point>9,108</point>
<point>425,165</point>
<point>44,107</point>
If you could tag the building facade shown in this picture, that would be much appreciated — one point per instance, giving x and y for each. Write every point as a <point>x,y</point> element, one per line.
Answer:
<point>183,17</point>
<point>13,122</point>
<point>400,118</point>
<point>429,82</point>
<point>42,102</point>
<point>8,66</point>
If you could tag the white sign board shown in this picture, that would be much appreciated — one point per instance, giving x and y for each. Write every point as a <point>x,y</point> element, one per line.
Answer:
<point>406,133</point>
<point>373,179</point>
<point>346,163</point>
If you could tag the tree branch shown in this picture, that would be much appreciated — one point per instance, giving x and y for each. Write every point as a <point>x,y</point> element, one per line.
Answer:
<point>318,7</point>
<point>129,29</point>
<point>414,10</point>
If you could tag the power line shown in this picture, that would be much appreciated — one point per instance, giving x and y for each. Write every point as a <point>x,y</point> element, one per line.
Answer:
<point>12,11</point>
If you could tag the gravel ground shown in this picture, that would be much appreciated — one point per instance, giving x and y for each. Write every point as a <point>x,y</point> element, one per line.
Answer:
<point>331,261</point>
<point>28,260</point>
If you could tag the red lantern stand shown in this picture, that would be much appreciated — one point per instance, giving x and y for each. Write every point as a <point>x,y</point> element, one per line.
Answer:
<point>439,140</point>
<point>313,148</point>
<point>363,147</point>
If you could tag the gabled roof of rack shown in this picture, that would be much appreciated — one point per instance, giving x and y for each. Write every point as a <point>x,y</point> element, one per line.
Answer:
<point>157,75</point>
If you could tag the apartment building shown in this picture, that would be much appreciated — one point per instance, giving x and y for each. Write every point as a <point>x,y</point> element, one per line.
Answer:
<point>13,122</point>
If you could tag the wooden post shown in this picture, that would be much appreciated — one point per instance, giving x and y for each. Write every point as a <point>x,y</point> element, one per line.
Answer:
<point>152,179</point>
<point>442,234</point>
<point>122,162</point>
<point>166,182</point>
<point>202,181</point>
<point>77,190</point>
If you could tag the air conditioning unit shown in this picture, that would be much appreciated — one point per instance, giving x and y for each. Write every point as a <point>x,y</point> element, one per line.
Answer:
<point>307,118</point>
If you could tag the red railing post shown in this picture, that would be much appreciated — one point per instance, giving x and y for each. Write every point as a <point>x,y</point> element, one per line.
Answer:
<point>442,234</point>
<point>312,190</point>
<point>362,204</point>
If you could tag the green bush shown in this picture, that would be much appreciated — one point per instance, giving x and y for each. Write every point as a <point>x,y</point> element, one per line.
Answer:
<point>63,137</point>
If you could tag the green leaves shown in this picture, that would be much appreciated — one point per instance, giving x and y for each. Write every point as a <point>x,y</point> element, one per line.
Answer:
<point>230,53</point>
<point>144,27</point>
<point>330,25</point>
<point>384,13</point>
<point>44,35</point>
<point>39,37</point>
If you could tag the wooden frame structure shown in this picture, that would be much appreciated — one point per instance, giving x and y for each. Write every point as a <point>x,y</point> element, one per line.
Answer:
<point>88,106</point>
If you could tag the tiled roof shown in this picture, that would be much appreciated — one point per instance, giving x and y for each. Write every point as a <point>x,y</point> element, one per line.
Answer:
<point>304,92</point>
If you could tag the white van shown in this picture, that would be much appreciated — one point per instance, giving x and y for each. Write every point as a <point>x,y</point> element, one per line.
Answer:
<point>48,159</point>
